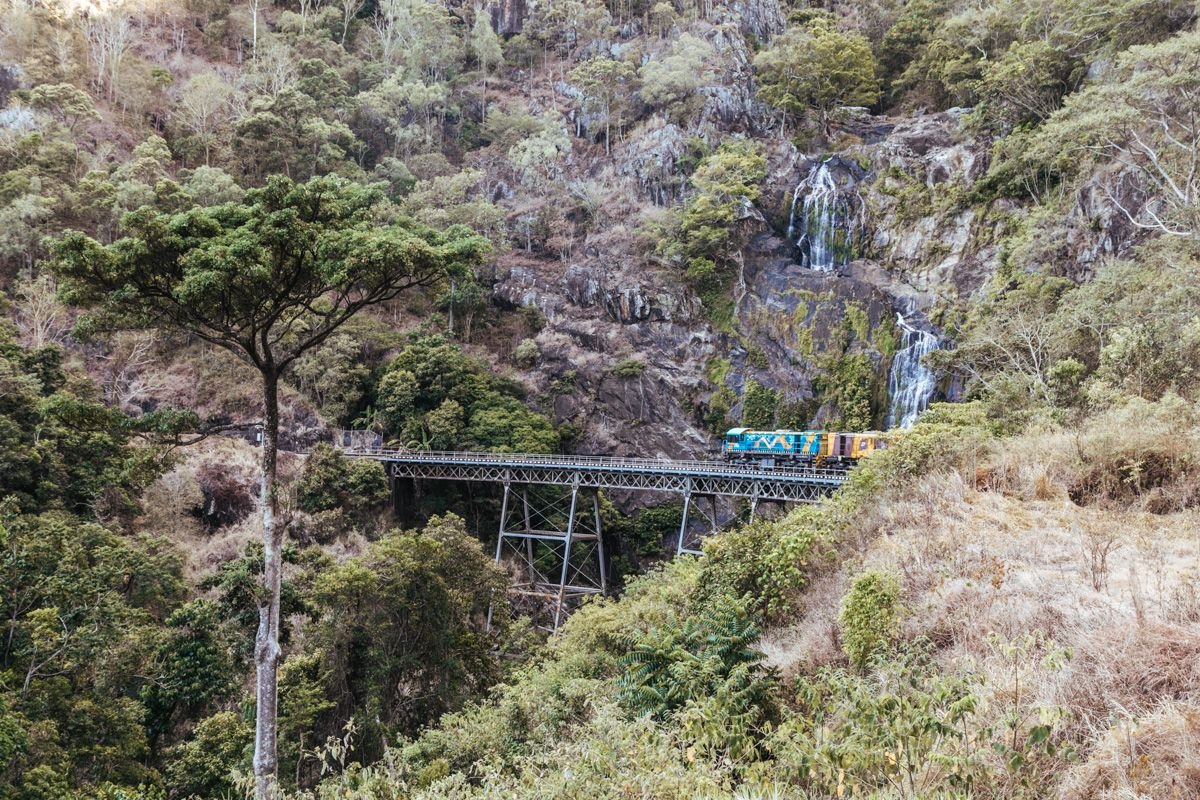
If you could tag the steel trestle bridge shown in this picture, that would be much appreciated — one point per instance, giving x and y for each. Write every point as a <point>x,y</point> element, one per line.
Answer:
<point>556,545</point>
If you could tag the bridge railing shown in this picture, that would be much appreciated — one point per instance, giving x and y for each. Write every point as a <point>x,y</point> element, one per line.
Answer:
<point>593,462</point>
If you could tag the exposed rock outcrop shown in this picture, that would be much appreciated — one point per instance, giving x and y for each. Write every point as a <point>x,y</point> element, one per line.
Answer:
<point>508,16</point>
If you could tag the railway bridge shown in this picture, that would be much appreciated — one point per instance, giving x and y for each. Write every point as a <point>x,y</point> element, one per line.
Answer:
<point>547,532</point>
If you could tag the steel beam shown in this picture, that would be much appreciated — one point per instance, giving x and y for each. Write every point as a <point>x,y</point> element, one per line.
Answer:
<point>536,537</point>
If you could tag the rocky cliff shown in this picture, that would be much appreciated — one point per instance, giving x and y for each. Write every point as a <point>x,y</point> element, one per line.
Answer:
<point>916,247</point>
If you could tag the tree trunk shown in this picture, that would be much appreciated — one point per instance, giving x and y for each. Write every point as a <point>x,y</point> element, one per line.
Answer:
<point>266,641</point>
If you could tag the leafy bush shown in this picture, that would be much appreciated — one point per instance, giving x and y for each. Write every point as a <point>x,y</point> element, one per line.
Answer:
<point>703,668</point>
<point>758,406</point>
<point>870,615</point>
<point>203,765</point>
<point>433,395</point>
<point>330,481</point>
<point>428,590</point>
<point>526,354</point>
<point>765,563</point>
<point>903,728</point>
<point>709,235</point>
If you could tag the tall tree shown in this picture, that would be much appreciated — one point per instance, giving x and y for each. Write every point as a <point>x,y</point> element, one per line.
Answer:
<point>486,46</point>
<point>816,67</point>
<point>606,85</point>
<point>268,280</point>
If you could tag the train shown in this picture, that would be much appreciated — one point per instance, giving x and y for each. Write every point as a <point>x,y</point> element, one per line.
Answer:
<point>814,449</point>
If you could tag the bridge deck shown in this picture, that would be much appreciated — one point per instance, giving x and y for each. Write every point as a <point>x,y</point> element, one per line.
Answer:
<point>785,483</point>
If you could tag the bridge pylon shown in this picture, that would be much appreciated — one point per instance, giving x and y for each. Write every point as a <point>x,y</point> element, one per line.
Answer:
<point>552,543</point>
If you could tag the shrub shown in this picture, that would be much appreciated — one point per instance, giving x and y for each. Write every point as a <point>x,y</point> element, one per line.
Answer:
<point>905,726</point>
<point>203,765</point>
<point>765,563</point>
<point>331,482</point>
<point>629,368</point>
<point>870,615</point>
<point>704,667</point>
<point>527,353</point>
<point>758,406</point>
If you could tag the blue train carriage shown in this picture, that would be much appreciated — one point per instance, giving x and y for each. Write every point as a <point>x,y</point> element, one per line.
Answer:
<point>793,447</point>
<point>824,449</point>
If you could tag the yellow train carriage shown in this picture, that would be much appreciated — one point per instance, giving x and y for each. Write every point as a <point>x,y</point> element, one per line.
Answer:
<point>845,449</point>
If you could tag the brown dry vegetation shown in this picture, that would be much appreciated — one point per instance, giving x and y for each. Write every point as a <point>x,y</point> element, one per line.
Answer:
<point>171,503</point>
<point>1011,557</point>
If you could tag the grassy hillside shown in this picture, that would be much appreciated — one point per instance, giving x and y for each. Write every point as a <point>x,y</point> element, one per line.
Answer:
<point>1003,604</point>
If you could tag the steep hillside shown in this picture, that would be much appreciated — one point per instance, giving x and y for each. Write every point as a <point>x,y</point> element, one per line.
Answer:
<point>624,227</point>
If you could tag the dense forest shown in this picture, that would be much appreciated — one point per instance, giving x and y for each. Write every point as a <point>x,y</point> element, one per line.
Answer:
<point>231,229</point>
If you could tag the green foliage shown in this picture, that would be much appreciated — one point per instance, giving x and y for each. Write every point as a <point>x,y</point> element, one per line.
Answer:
<point>726,183</point>
<point>333,377</point>
<point>716,370</point>
<point>704,670</point>
<point>849,382</point>
<point>758,406</point>
<point>399,627</point>
<point>82,605</point>
<point>257,278</point>
<point>1016,58</point>
<point>606,84</point>
<point>59,448</point>
<point>870,615</point>
<point>765,563</point>
<point>904,728</point>
<point>644,531</point>
<point>672,82</point>
<point>816,66</point>
<point>716,418</point>
<point>203,765</point>
<point>195,667</point>
<point>434,395</point>
<point>526,353</point>
<point>331,482</point>
<point>299,130</point>
<point>1043,342</point>
<point>629,368</point>
<point>1137,118</point>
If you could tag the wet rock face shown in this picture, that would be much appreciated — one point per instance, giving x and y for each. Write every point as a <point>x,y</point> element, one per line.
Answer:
<point>827,222</point>
<point>508,16</point>
<point>11,78</point>
<point>733,103</point>
<point>652,159</point>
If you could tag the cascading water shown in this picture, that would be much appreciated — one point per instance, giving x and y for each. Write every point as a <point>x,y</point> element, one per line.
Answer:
<point>911,384</point>
<point>826,220</point>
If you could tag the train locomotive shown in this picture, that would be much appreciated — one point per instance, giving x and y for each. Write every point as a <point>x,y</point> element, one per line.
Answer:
<point>813,449</point>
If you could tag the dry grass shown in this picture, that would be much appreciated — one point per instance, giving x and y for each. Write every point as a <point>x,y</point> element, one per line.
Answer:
<point>170,502</point>
<point>1158,756</point>
<point>1011,556</point>
<point>1140,455</point>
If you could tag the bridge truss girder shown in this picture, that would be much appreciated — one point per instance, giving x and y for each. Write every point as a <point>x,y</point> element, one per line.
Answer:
<point>787,489</point>
<point>553,545</point>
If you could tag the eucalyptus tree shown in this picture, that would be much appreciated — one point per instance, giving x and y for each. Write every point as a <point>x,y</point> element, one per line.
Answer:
<point>267,279</point>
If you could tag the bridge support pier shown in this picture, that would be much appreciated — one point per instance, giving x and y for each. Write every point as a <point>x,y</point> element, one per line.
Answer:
<point>404,498</point>
<point>688,542</point>
<point>554,547</point>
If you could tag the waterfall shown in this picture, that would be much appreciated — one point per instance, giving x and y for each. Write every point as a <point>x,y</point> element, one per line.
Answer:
<point>826,220</point>
<point>911,384</point>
